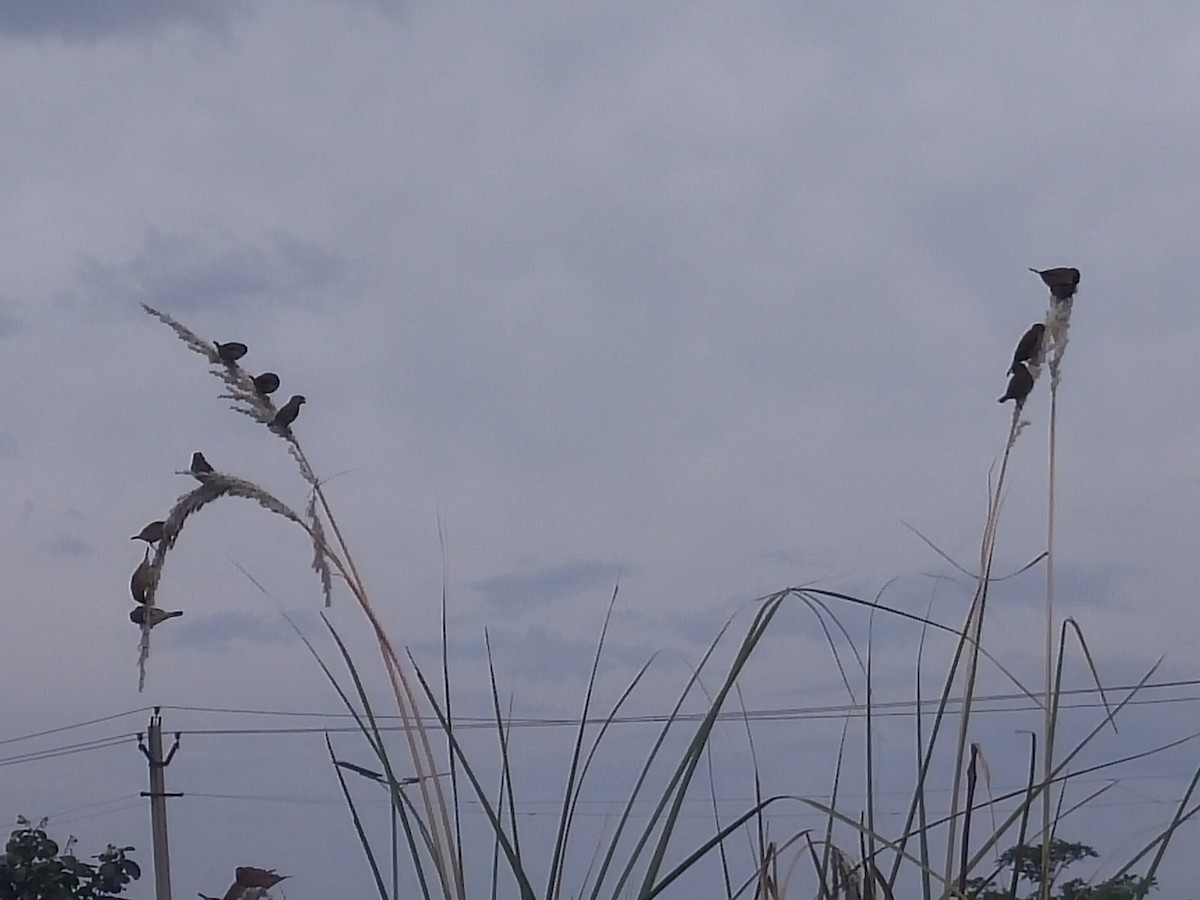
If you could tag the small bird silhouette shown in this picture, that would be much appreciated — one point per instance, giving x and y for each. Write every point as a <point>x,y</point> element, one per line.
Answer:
<point>253,877</point>
<point>231,352</point>
<point>287,413</point>
<point>1062,281</point>
<point>200,465</point>
<point>1029,346</point>
<point>139,582</point>
<point>1019,385</point>
<point>152,533</point>
<point>266,383</point>
<point>138,615</point>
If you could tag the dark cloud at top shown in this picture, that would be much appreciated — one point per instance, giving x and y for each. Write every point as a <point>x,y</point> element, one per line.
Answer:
<point>88,21</point>
<point>547,585</point>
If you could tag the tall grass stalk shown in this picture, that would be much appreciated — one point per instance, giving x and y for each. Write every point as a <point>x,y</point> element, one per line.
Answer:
<point>1058,321</point>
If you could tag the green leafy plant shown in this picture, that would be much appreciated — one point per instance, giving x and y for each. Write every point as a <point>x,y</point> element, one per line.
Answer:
<point>32,868</point>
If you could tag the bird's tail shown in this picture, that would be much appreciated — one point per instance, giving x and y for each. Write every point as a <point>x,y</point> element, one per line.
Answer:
<point>1035,271</point>
<point>173,614</point>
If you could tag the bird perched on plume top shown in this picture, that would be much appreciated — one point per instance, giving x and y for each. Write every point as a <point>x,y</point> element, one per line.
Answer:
<point>287,413</point>
<point>138,615</point>
<point>152,533</point>
<point>266,383</point>
<point>139,582</point>
<point>249,878</point>
<point>254,877</point>
<point>200,465</point>
<point>1029,346</point>
<point>1019,385</point>
<point>1062,281</point>
<point>231,352</point>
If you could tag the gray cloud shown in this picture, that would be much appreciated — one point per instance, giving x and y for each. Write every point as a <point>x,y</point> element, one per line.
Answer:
<point>550,584</point>
<point>220,632</point>
<point>66,545</point>
<point>186,274</point>
<point>87,22</point>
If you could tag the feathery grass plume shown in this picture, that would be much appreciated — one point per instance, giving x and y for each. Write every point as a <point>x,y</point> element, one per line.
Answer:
<point>442,848</point>
<point>215,486</point>
<point>320,561</point>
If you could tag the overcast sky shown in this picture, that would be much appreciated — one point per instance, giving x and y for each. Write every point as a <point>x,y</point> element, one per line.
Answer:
<point>700,299</point>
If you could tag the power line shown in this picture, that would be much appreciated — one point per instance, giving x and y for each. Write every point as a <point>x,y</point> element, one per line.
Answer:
<point>781,713</point>
<point>73,725</point>
<point>772,715</point>
<point>67,749</point>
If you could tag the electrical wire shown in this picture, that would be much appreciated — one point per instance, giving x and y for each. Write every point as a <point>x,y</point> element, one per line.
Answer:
<point>773,715</point>
<point>894,707</point>
<point>67,749</point>
<point>74,725</point>
<point>780,713</point>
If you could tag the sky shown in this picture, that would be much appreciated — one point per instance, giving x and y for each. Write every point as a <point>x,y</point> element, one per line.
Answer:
<point>688,301</point>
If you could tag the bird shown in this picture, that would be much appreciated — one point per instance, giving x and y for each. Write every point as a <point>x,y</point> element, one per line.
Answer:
<point>1029,345</point>
<point>138,615</point>
<point>200,465</point>
<point>254,877</point>
<point>1062,281</point>
<point>139,582</point>
<point>1019,385</point>
<point>152,533</point>
<point>230,353</point>
<point>288,412</point>
<point>266,383</point>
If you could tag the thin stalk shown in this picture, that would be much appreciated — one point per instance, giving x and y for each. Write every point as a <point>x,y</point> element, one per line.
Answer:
<point>1050,705</point>
<point>975,631</point>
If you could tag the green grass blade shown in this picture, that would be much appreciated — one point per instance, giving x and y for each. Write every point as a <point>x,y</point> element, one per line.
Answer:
<point>619,830</point>
<point>358,826</point>
<point>570,792</point>
<point>522,879</point>
<point>677,789</point>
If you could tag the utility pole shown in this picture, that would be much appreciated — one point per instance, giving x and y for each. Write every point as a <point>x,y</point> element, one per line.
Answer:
<point>152,749</point>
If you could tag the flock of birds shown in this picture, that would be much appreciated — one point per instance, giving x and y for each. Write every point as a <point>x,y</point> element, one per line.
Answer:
<point>1063,282</point>
<point>139,584</point>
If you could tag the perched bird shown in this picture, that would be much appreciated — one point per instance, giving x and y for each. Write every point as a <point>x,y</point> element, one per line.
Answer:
<point>287,413</point>
<point>138,614</point>
<point>253,877</point>
<point>139,582</point>
<point>152,533</point>
<point>200,465</point>
<point>1062,281</point>
<point>1019,385</point>
<point>266,383</point>
<point>249,878</point>
<point>231,352</point>
<point>1029,346</point>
